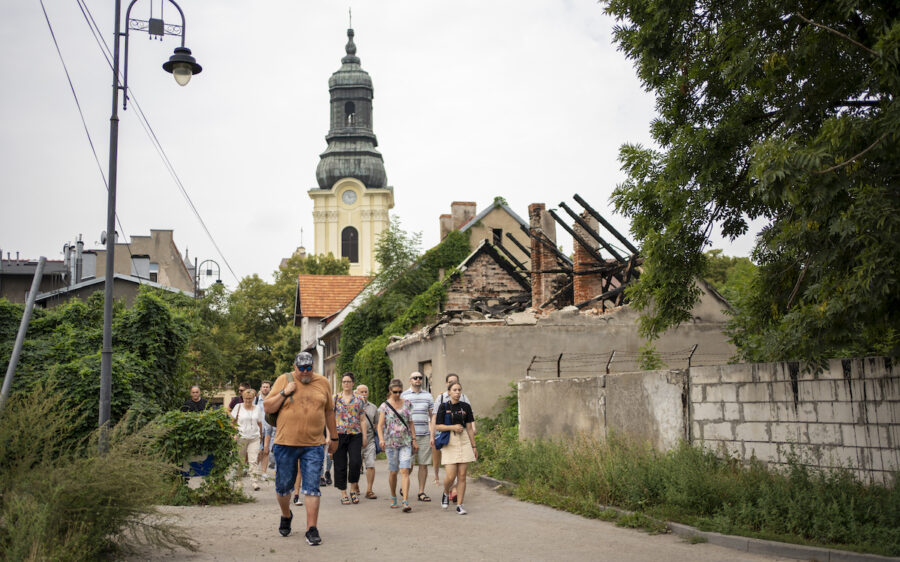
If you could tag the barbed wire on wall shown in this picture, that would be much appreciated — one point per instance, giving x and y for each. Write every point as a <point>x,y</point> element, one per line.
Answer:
<point>616,361</point>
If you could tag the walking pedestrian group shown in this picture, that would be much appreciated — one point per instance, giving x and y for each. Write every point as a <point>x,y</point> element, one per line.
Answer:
<point>311,427</point>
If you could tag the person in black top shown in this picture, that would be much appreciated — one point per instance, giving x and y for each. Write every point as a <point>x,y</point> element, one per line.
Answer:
<point>456,417</point>
<point>194,403</point>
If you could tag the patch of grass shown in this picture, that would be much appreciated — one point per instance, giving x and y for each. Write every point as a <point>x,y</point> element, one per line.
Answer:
<point>637,520</point>
<point>693,486</point>
<point>696,539</point>
<point>59,500</point>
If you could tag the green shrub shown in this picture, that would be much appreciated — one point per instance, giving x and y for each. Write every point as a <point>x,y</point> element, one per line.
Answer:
<point>694,486</point>
<point>60,501</point>
<point>189,434</point>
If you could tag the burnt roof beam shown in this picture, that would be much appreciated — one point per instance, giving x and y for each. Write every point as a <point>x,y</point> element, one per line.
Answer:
<point>519,245</point>
<point>594,253</point>
<point>509,255</point>
<point>581,222</point>
<point>560,257</point>
<point>605,224</point>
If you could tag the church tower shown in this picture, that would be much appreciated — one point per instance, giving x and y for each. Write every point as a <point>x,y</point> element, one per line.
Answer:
<point>351,203</point>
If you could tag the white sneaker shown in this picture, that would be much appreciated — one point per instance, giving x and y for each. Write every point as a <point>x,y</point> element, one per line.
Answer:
<point>445,501</point>
<point>255,487</point>
<point>460,510</point>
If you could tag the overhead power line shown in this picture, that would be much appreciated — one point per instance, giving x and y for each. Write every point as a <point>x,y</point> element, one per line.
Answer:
<point>84,124</point>
<point>151,134</point>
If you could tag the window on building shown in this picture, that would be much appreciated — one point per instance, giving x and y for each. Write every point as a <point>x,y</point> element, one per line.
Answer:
<point>350,112</point>
<point>154,272</point>
<point>498,236</point>
<point>350,244</point>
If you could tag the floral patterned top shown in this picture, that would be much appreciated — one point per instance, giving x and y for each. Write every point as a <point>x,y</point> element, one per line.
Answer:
<point>348,414</point>
<point>396,431</point>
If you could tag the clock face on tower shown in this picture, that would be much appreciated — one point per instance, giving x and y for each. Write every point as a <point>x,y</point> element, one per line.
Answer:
<point>348,197</point>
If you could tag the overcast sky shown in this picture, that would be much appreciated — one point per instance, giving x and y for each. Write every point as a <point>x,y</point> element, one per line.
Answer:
<point>528,99</point>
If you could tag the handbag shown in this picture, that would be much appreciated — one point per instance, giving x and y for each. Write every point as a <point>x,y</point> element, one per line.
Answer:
<point>378,447</point>
<point>272,419</point>
<point>443,437</point>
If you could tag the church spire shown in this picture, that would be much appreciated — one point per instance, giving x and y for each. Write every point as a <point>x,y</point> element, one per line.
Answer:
<point>351,140</point>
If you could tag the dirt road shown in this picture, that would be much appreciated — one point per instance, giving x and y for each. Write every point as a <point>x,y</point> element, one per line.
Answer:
<point>497,528</point>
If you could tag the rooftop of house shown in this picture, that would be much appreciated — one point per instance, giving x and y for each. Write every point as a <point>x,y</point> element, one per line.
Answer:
<point>323,295</point>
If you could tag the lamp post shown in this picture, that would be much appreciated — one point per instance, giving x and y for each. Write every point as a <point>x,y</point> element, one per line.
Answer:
<point>209,273</point>
<point>182,65</point>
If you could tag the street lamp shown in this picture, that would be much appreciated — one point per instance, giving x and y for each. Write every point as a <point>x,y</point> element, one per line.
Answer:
<point>208,273</point>
<point>182,65</point>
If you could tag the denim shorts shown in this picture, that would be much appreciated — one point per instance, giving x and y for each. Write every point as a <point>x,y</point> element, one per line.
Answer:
<point>286,458</point>
<point>398,458</point>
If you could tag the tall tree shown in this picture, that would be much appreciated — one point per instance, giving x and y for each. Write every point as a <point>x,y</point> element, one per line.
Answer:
<point>785,110</point>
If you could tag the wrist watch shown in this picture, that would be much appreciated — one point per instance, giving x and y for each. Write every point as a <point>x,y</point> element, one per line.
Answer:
<point>334,439</point>
<point>282,393</point>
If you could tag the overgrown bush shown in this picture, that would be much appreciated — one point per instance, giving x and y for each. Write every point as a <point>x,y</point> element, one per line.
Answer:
<point>189,434</point>
<point>694,486</point>
<point>62,350</point>
<point>60,501</point>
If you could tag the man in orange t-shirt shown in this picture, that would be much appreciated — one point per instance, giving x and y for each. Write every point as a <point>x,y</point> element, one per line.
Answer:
<point>305,408</point>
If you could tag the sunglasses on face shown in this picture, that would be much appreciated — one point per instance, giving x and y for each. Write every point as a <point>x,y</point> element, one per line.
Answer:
<point>396,391</point>
<point>305,368</point>
<point>416,378</point>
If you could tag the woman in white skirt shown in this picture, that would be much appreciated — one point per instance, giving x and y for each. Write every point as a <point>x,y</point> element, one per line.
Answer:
<point>249,422</point>
<point>456,417</point>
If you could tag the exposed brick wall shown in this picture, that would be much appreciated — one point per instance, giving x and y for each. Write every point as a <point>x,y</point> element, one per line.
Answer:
<point>483,277</point>
<point>847,415</point>
<point>542,258</point>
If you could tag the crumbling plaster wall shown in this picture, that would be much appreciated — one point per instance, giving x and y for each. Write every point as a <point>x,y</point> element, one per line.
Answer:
<point>489,355</point>
<point>646,406</point>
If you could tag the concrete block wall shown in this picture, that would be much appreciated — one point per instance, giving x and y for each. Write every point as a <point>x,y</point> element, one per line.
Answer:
<point>847,415</point>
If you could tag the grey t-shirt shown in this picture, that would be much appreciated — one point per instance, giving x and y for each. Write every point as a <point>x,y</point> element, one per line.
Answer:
<point>372,414</point>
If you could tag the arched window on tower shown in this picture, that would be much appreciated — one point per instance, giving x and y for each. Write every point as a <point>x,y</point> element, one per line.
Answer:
<point>350,112</point>
<point>350,244</point>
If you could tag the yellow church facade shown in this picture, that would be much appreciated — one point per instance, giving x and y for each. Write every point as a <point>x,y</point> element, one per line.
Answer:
<point>348,219</point>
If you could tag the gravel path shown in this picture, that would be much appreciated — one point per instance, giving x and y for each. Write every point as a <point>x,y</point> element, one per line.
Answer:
<point>497,527</point>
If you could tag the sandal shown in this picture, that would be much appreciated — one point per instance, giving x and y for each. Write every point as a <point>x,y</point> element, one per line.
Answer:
<point>345,500</point>
<point>406,508</point>
<point>371,495</point>
<point>423,497</point>
<point>394,505</point>
<point>354,497</point>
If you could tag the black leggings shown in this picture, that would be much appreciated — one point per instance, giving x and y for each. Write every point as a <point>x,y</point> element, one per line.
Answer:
<point>349,445</point>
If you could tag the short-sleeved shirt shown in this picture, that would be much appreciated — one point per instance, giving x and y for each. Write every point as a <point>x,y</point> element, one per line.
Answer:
<point>348,414</point>
<point>248,420</point>
<point>191,406</point>
<point>460,413</point>
<point>371,414</point>
<point>422,405</point>
<point>445,397</point>
<point>301,420</point>
<point>396,430</point>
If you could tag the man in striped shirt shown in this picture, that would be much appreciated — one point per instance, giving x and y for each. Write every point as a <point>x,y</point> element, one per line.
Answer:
<point>422,406</point>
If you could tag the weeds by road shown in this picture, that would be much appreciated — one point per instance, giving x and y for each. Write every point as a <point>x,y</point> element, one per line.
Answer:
<point>693,486</point>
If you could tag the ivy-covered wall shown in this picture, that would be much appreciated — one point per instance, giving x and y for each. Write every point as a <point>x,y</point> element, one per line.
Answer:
<point>406,303</point>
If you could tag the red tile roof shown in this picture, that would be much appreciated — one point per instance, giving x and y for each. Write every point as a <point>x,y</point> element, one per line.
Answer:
<point>323,295</point>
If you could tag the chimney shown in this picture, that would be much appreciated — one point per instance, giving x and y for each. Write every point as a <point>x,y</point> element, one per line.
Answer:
<point>462,212</point>
<point>79,247</point>
<point>541,225</point>
<point>446,225</point>
<point>584,286</point>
